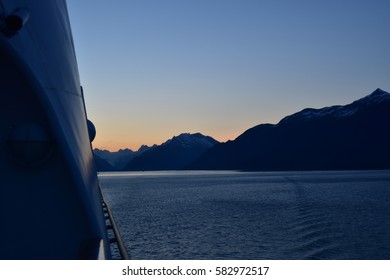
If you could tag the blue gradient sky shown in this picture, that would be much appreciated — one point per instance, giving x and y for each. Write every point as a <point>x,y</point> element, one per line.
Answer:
<point>152,69</point>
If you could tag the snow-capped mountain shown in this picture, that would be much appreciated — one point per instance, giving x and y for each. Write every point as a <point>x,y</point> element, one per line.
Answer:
<point>353,136</point>
<point>187,140</point>
<point>174,154</point>
<point>338,111</point>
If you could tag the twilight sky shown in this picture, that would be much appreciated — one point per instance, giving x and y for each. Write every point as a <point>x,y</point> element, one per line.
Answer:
<point>152,69</point>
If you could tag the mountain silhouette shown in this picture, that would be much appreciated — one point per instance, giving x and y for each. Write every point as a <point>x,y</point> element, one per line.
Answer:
<point>174,154</point>
<point>354,136</point>
<point>102,165</point>
<point>116,161</point>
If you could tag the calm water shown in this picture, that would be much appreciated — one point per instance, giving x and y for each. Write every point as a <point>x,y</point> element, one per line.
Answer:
<point>261,215</point>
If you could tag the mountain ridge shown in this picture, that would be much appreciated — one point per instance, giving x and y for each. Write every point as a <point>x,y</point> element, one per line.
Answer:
<point>334,137</point>
<point>174,154</point>
<point>116,161</point>
<point>351,136</point>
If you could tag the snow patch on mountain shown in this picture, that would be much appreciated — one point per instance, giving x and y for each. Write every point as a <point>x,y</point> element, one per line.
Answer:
<point>188,140</point>
<point>339,111</point>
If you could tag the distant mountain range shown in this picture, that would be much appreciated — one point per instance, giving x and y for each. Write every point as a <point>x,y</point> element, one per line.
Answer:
<point>115,161</point>
<point>354,136</point>
<point>174,154</point>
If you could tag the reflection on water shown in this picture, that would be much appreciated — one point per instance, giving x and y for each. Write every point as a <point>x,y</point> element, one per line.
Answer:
<point>259,215</point>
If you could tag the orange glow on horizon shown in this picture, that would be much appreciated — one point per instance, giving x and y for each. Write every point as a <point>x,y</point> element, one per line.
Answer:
<point>134,144</point>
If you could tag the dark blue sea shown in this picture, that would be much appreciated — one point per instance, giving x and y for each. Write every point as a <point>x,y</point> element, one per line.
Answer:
<point>252,215</point>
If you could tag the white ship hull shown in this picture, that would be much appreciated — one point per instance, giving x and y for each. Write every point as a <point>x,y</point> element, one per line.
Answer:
<point>50,204</point>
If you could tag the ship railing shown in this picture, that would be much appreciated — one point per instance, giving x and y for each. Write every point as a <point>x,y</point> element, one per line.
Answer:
<point>117,246</point>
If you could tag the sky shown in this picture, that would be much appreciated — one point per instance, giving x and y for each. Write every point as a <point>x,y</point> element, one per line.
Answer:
<point>152,69</point>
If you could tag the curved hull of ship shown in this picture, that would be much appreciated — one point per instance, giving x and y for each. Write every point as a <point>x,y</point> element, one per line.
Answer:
<point>50,210</point>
